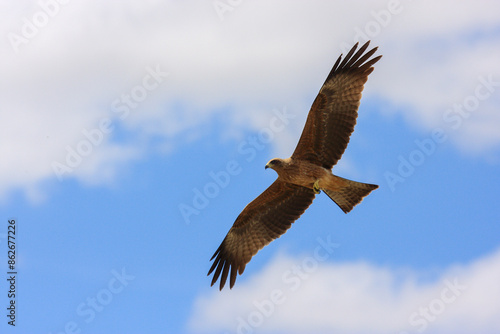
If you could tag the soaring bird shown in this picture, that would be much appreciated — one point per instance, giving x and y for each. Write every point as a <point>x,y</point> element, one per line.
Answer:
<point>324,139</point>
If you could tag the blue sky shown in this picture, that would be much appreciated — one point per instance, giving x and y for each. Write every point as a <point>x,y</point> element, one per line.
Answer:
<point>116,116</point>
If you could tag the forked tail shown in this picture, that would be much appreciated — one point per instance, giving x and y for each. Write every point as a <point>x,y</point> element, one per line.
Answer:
<point>350,194</point>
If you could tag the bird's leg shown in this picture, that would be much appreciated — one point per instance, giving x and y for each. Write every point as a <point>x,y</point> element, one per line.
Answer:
<point>316,188</point>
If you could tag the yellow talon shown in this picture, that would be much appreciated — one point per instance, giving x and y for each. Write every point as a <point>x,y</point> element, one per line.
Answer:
<point>316,187</point>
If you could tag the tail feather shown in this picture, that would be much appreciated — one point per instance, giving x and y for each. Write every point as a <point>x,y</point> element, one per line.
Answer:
<point>350,194</point>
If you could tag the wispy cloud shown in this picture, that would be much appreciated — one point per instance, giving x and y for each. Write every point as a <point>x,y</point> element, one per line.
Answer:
<point>356,297</point>
<point>66,77</point>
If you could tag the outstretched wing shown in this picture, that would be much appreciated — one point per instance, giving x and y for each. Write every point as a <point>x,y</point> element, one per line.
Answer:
<point>264,219</point>
<point>333,113</point>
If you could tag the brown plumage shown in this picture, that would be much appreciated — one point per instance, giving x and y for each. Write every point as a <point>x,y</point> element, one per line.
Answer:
<point>324,139</point>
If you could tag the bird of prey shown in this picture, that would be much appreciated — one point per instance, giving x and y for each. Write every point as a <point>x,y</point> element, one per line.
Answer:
<point>324,139</point>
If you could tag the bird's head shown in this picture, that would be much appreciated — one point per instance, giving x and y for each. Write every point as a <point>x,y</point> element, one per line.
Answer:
<point>275,164</point>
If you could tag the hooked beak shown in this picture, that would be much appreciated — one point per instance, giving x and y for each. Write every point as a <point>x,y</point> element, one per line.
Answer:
<point>267,166</point>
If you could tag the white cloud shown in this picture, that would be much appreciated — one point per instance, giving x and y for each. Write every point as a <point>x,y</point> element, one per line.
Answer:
<point>263,55</point>
<point>298,295</point>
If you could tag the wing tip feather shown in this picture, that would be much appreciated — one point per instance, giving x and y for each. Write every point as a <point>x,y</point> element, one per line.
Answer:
<point>354,60</point>
<point>221,267</point>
